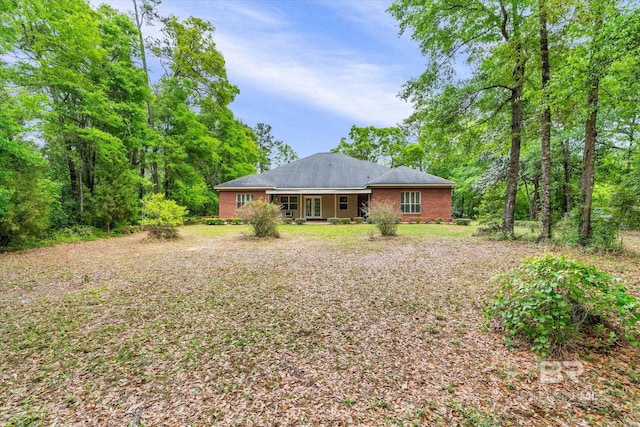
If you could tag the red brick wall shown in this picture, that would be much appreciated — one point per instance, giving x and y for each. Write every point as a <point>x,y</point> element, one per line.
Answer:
<point>227,200</point>
<point>436,202</point>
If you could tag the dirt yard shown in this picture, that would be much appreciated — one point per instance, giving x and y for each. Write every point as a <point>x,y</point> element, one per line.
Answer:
<point>330,329</point>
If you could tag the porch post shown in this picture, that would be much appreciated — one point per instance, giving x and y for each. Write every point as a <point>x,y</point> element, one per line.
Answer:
<point>335,205</point>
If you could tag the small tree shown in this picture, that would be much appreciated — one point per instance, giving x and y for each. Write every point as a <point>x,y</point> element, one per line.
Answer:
<point>384,216</point>
<point>162,216</point>
<point>264,217</point>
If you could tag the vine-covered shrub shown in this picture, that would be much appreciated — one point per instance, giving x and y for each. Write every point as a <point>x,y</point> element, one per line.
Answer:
<point>550,302</point>
<point>385,217</point>
<point>161,216</point>
<point>264,217</point>
<point>604,231</point>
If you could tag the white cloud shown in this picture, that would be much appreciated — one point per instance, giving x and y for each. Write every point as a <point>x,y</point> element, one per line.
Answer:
<point>325,73</point>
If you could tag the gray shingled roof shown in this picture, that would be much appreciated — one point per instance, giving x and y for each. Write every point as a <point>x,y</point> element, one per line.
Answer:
<point>407,176</point>
<point>333,171</point>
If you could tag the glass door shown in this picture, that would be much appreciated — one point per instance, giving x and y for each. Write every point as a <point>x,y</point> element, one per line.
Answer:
<point>313,207</point>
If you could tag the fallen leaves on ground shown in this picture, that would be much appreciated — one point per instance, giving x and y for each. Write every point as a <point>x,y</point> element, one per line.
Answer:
<point>294,331</point>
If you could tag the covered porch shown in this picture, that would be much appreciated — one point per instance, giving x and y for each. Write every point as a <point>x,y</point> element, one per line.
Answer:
<point>315,204</point>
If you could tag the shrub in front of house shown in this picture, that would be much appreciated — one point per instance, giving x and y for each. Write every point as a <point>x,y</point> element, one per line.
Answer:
<point>333,220</point>
<point>287,221</point>
<point>358,220</point>
<point>161,216</point>
<point>418,220</point>
<point>462,221</point>
<point>262,216</point>
<point>345,221</point>
<point>552,302</point>
<point>301,221</point>
<point>213,221</point>
<point>385,217</point>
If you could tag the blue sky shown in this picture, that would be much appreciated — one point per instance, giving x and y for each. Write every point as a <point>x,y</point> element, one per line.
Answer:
<point>310,69</point>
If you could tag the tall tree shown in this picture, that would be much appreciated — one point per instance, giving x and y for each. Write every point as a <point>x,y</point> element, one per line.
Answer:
<point>491,37</point>
<point>273,152</point>
<point>545,123</point>
<point>144,13</point>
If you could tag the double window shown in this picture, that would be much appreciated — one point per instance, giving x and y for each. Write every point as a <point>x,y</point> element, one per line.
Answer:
<point>242,198</point>
<point>410,202</point>
<point>289,203</point>
<point>343,202</point>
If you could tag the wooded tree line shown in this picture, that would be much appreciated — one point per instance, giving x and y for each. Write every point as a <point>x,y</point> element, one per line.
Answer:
<point>531,106</point>
<point>86,131</point>
<point>551,101</point>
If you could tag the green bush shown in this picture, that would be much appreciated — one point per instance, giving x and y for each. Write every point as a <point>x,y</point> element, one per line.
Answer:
<point>345,221</point>
<point>550,302</point>
<point>333,220</point>
<point>437,220</point>
<point>385,217</point>
<point>358,220</point>
<point>462,221</point>
<point>213,221</point>
<point>418,220</point>
<point>235,221</point>
<point>264,217</point>
<point>604,231</point>
<point>301,221</point>
<point>287,221</point>
<point>161,216</point>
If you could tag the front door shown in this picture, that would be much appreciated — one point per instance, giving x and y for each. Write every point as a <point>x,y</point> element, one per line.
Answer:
<point>313,207</point>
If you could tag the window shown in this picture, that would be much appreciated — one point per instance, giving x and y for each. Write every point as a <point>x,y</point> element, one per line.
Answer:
<point>289,203</point>
<point>410,202</point>
<point>241,199</point>
<point>343,203</point>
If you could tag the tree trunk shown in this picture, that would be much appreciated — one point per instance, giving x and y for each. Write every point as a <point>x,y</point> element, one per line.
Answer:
<point>535,204</point>
<point>588,161</point>
<point>566,188</point>
<point>516,139</point>
<point>545,127</point>
<point>150,118</point>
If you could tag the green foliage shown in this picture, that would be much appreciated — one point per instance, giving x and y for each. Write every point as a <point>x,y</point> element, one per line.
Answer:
<point>462,221</point>
<point>358,220</point>
<point>264,217</point>
<point>162,216</point>
<point>385,217</point>
<point>604,231</point>
<point>213,221</point>
<point>345,221</point>
<point>550,302</point>
<point>301,221</point>
<point>26,194</point>
<point>333,220</point>
<point>287,221</point>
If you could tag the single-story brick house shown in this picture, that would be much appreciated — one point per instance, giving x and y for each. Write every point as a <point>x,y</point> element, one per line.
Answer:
<point>328,185</point>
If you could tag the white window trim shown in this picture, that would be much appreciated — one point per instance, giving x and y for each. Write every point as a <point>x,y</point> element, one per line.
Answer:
<point>242,198</point>
<point>410,202</point>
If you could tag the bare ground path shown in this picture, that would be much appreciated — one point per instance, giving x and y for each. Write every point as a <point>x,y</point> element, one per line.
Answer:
<point>302,330</point>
